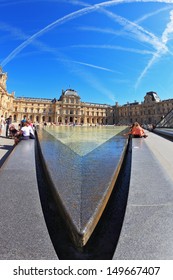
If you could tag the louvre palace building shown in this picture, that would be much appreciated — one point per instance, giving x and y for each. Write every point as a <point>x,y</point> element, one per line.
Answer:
<point>69,108</point>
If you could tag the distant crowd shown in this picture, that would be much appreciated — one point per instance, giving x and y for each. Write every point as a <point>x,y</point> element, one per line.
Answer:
<point>25,130</point>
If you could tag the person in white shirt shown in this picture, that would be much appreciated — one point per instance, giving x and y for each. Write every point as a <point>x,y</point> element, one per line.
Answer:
<point>25,133</point>
<point>26,130</point>
<point>2,124</point>
<point>32,134</point>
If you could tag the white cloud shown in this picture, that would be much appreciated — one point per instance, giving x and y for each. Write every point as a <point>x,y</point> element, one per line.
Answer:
<point>93,66</point>
<point>155,57</point>
<point>156,12</point>
<point>114,47</point>
<point>69,17</point>
<point>132,28</point>
<point>140,33</point>
<point>168,30</point>
<point>165,38</point>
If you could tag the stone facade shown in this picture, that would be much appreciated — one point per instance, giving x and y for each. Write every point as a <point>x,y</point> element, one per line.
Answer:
<point>151,111</point>
<point>6,99</point>
<point>67,109</point>
<point>70,109</point>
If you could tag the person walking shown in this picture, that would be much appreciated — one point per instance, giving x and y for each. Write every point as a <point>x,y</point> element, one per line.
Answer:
<point>2,124</point>
<point>8,122</point>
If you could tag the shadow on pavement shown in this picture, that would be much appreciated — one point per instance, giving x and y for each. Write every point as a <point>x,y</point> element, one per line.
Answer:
<point>5,150</point>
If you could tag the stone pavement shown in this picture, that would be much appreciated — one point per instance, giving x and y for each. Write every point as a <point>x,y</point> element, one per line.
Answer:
<point>148,223</point>
<point>6,146</point>
<point>23,233</point>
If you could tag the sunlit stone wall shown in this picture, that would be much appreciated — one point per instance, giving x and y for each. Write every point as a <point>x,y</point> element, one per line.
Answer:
<point>70,109</point>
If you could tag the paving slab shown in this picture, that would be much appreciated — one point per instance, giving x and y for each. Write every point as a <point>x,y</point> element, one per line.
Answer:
<point>6,147</point>
<point>148,223</point>
<point>23,233</point>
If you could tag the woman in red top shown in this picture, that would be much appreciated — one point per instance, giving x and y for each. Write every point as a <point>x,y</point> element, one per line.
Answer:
<point>137,131</point>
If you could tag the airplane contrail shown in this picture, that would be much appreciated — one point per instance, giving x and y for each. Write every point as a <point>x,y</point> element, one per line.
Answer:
<point>93,66</point>
<point>165,38</point>
<point>114,47</point>
<point>69,17</point>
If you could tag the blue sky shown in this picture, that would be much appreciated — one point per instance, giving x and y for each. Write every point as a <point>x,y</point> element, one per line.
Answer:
<point>108,51</point>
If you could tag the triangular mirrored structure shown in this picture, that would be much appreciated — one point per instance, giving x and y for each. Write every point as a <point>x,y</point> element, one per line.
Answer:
<point>83,164</point>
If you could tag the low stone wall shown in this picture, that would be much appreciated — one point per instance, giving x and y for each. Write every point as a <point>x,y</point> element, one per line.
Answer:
<point>23,233</point>
<point>148,224</point>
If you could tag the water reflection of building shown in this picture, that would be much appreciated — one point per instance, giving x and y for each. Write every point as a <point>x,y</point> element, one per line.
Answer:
<point>70,109</point>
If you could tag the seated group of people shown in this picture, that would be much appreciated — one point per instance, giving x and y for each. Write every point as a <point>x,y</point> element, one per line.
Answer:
<point>25,131</point>
<point>137,131</point>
